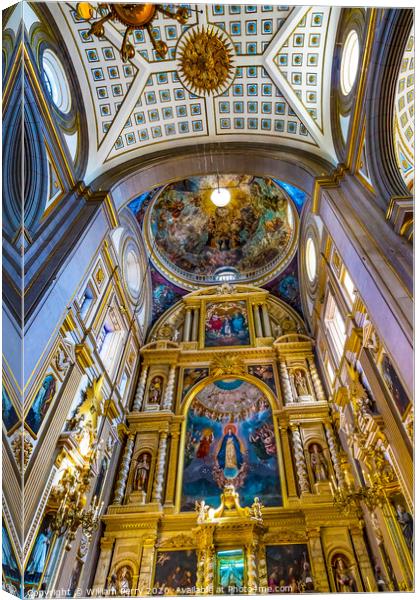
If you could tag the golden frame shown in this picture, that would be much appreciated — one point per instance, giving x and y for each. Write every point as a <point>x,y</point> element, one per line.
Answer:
<point>268,394</point>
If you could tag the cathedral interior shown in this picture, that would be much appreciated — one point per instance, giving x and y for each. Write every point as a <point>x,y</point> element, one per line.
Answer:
<point>207,299</point>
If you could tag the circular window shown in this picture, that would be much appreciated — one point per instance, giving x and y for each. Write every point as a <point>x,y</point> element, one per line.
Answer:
<point>133,272</point>
<point>310,259</point>
<point>56,81</point>
<point>349,62</point>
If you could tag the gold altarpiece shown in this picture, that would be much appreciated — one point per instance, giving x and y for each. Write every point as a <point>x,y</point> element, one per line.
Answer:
<point>147,520</point>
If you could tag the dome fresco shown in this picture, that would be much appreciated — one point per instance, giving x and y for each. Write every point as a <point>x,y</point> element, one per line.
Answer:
<point>193,239</point>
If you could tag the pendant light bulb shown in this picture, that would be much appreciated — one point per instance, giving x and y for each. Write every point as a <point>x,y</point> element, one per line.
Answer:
<point>220,197</point>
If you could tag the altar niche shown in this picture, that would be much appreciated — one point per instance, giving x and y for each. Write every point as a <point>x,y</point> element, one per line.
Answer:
<point>230,571</point>
<point>230,438</point>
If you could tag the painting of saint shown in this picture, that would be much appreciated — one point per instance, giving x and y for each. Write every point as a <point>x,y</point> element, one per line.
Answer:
<point>226,324</point>
<point>191,377</point>
<point>229,439</point>
<point>11,572</point>
<point>10,417</point>
<point>40,550</point>
<point>265,373</point>
<point>289,569</point>
<point>41,404</point>
<point>394,385</point>
<point>175,573</point>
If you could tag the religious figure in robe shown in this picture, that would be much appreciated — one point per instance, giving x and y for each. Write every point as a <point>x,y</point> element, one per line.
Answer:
<point>238,322</point>
<point>155,390</point>
<point>300,384</point>
<point>344,580</point>
<point>41,403</point>
<point>318,463</point>
<point>406,521</point>
<point>39,554</point>
<point>205,443</point>
<point>230,457</point>
<point>141,474</point>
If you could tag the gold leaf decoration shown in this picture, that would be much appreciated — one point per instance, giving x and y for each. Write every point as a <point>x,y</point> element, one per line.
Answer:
<point>206,60</point>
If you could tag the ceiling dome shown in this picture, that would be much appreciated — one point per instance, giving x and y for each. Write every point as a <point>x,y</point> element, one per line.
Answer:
<point>191,239</point>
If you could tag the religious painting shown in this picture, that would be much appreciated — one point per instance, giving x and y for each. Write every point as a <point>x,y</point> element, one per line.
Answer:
<point>41,404</point>
<point>195,238</point>
<point>394,385</point>
<point>230,572</point>
<point>226,324</point>
<point>164,294</point>
<point>175,573</point>
<point>11,572</point>
<point>286,286</point>
<point>39,554</point>
<point>10,416</point>
<point>289,569</point>
<point>265,373</point>
<point>230,440</point>
<point>191,377</point>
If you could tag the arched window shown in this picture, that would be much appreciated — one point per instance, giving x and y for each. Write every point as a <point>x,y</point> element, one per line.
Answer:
<point>56,81</point>
<point>349,62</point>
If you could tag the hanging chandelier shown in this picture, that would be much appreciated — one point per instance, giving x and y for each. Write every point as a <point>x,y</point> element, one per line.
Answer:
<point>132,16</point>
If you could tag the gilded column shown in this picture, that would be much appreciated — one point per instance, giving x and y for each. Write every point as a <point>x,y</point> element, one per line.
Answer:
<point>187,325</point>
<point>124,469</point>
<point>209,571</point>
<point>200,572</point>
<point>138,399</point>
<point>257,320</point>
<point>252,568</point>
<point>194,336</point>
<point>160,468</point>
<point>172,468</point>
<point>363,560</point>
<point>300,460</point>
<point>145,584</point>
<point>266,321</point>
<point>319,571</point>
<point>288,464</point>
<point>104,561</point>
<point>334,455</point>
<point>262,571</point>
<point>285,383</point>
<point>170,389</point>
<point>316,380</point>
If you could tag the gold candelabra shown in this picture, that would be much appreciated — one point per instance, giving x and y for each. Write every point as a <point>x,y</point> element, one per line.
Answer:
<point>348,498</point>
<point>132,16</point>
<point>72,513</point>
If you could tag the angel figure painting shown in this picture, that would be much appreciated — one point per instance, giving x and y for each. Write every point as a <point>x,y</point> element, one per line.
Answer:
<point>230,439</point>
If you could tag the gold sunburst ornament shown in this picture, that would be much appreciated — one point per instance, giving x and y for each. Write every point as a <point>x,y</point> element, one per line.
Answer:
<point>132,16</point>
<point>206,60</point>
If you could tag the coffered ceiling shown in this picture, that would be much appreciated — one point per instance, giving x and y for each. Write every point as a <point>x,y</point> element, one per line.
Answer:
<point>280,92</point>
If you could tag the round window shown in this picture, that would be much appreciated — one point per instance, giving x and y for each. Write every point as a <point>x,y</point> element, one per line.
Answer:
<point>56,81</point>
<point>349,62</point>
<point>132,272</point>
<point>310,259</point>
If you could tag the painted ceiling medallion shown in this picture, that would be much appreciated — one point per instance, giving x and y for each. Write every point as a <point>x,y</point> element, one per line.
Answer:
<point>133,16</point>
<point>192,241</point>
<point>206,60</point>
